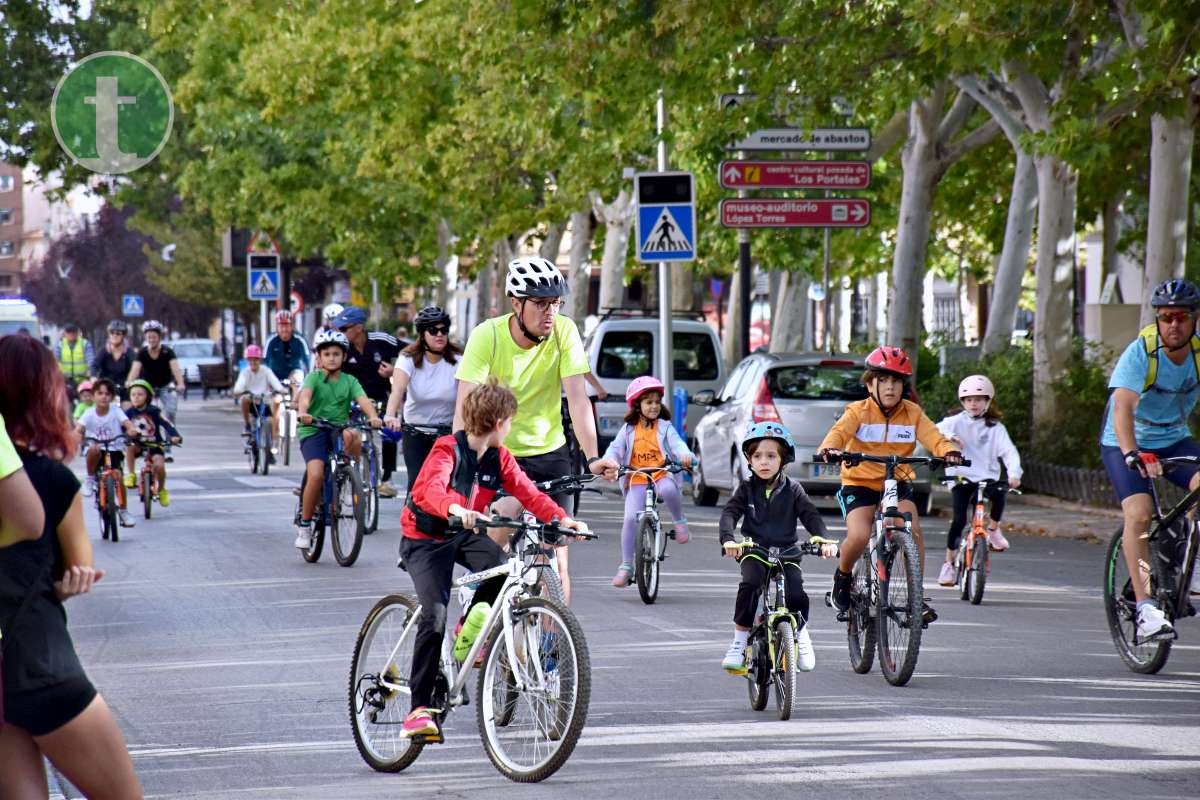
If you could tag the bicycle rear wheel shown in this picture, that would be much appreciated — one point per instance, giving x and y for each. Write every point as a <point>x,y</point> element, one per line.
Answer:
<point>1120,606</point>
<point>346,516</point>
<point>551,705</point>
<point>102,510</point>
<point>145,490</point>
<point>901,609</point>
<point>646,561</point>
<point>758,669</point>
<point>861,627</point>
<point>549,584</point>
<point>783,673</point>
<point>379,684</point>
<point>977,577</point>
<point>313,553</point>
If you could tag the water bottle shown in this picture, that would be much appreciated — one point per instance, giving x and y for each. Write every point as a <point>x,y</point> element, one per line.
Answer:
<point>470,629</point>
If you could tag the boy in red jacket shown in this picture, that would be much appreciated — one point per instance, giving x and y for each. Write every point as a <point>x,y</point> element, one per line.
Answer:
<point>459,478</point>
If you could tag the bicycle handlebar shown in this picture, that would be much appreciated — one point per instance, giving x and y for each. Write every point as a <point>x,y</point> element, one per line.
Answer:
<point>672,467</point>
<point>519,524</point>
<point>810,548</point>
<point>567,483</point>
<point>851,459</point>
<point>96,440</point>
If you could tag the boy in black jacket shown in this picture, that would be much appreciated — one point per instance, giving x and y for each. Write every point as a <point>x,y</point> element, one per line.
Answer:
<point>769,505</point>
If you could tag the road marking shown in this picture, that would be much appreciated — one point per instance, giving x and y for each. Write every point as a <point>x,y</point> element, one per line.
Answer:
<point>267,482</point>
<point>232,495</point>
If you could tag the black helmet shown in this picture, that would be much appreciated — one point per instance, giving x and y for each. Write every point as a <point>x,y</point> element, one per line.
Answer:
<point>1176,293</point>
<point>118,326</point>
<point>429,316</point>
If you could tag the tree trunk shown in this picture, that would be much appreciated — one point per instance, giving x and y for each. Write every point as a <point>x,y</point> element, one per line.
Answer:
<point>445,282</point>
<point>1057,183</point>
<point>1014,255</point>
<point>1112,220</point>
<point>1166,234</point>
<point>919,163</point>
<point>579,267</point>
<point>683,288</point>
<point>552,242</point>
<point>617,218</point>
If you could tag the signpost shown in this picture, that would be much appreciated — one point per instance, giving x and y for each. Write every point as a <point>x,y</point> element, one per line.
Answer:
<point>844,175</point>
<point>828,139</point>
<point>132,305</point>
<point>749,212</point>
<point>666,219</point>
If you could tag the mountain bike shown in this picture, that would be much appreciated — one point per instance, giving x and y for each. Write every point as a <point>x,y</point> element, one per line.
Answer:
<point>534,687</point>
<point>258,439</point>
<point>1173,540</point>
<point>650,547</point>
<point>341,504</point>
<point>108,489</point>
<point>887,597</point>
<point>972,562</point>
<point>771,647</point>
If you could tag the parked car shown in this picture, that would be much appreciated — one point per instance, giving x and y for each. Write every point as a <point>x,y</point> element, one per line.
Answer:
<point>807,392</point>
<point>621,349</point>
<point>193,353</point>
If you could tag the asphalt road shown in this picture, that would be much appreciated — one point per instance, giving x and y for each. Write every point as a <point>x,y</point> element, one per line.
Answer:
<point>226,658</point>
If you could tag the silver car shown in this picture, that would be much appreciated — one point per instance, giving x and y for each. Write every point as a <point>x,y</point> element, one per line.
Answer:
<point>807,393</point>
<point>194,353</point>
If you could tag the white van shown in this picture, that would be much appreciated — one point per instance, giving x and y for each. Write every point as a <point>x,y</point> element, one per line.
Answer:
<point>18,314</point>
<point>621,349</point>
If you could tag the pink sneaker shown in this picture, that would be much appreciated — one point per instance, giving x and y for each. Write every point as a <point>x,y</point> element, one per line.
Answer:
<point>946,576</point>
<point>420,723</point>
<point>624,574</point>
<point>681,533</point>
<point>996,540</point>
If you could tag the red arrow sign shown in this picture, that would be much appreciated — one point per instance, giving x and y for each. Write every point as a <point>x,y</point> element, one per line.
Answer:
<point>795,213</point>
<point>845,175</point>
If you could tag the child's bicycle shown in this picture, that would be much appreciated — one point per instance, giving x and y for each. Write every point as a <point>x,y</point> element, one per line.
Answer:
<point>972,562</point>
<point>1174,540</point>
<point>148,485</point>
<point>887,596</point>
<point>650,547</point>
<point>771,647</point>
<point>534,686</point>
<point>258,440</point>
<point>341,506</point>
<point>108,489</point>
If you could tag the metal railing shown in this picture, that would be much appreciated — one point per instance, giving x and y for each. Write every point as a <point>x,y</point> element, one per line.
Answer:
<point>1088,486</point>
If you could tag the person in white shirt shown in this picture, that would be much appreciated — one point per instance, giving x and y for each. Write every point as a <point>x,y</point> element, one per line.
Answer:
<point>257,381</point>
<point>983,439</point>
<point>106,421</point>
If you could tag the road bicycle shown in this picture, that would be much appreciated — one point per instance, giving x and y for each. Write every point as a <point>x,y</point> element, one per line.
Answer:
<point>258,438</point>
<point>531,699</point>
<point>1173,541</point>
<point>148,485</point>
<point>771,646</point>
<point>341,506</point>
<point>108,489</point>
<point>887,597</point>
<point>650,546</point>
<point>972,562</point>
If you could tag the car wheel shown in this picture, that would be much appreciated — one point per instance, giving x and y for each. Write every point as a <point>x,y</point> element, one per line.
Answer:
<point>702,493</point>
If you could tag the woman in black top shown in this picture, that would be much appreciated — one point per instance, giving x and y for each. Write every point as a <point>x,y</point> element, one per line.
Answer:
<point>156,364</point>
<point>115,359</point>
<point>51,708</point>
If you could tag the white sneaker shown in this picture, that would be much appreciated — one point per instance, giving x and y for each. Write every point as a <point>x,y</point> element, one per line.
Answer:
<point>126,520</point>
<point>89,487</point>
<point>303,536</point>
<point>947,575</point>
<point>735,659</point>
<point>806,657</point>
<point>1152,624</point>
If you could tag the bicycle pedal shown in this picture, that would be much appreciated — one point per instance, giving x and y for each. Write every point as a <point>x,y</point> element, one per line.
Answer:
<point>829,603</point>
<point>843,616</point>
<point>434,739</point>
<point>671,534</point>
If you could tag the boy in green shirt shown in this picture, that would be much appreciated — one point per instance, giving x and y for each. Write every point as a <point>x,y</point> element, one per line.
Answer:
<point>326,395</point>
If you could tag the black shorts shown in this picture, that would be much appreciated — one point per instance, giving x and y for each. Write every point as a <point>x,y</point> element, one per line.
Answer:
<point>852,497</point>
<point>117,457</point>
<point>43,711</point>
<point>548,467</point>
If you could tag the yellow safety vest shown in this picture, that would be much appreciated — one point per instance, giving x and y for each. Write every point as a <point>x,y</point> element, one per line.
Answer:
<point>71,361</point>
<point>1149,337</point>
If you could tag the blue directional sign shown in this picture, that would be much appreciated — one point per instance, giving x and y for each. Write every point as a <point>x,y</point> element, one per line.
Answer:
<point>262,277</point>
<point>132,305</point>
<point>666,220</point>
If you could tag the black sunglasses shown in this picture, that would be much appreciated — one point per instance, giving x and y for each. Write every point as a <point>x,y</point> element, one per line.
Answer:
<point>441,330</point>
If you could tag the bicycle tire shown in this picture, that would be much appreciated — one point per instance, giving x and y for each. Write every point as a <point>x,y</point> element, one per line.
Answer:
<point>346,544</point>
<point>783,671</point>
<point>365,723</point>
<point>111,493</point>
<point>102,510</point>
<point>977,578</point>
<point>504,690</point>
<point>861,627</point>
<point>573,668</point>
<point>265,448</point>
<point>312,553</point>
<point>645,564</point>
<point>144,491</point>
<point>901,607</point>
<point>370,482</point>
<point>758,669</point>
<point>549,584</point>
<point>1120,608</point>
<point>253,454</point>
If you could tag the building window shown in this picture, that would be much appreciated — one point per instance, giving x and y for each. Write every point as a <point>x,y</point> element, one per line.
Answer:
<point>7,281</point>
<point>945,313</point>
<point>6,216</point>
<point>6,183</point>
<point>7,247</point>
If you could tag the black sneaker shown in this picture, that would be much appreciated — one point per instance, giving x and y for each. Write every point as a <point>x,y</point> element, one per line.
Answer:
<point>840,596</point>
<point>928,615</point>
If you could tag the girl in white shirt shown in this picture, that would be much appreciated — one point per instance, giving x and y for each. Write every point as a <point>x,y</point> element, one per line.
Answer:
<point>258,381</point>
<point>978,432</point>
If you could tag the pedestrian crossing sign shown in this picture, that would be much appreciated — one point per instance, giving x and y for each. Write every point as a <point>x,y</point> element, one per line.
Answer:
<point>666,218</point>
<point>262,277</point>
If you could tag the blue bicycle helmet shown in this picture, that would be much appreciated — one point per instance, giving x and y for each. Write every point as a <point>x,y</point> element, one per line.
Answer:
<point>770,430</point>
<point>1175,293</point>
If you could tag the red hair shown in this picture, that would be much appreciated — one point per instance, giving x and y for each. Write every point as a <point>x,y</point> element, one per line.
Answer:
<point>33,399</point>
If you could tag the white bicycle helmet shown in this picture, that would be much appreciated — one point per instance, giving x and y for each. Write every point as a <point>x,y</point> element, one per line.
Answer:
<point>152,325</point>
<point>331,311</point>
<point>976,386</point>
<point>532,276</point>
<point>328,337</point>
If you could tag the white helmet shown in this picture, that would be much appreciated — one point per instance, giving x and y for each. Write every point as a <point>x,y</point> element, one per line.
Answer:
<point>534,277</point>
<point>976,386</point>
<point>324,337</point>
<point>331,311</point>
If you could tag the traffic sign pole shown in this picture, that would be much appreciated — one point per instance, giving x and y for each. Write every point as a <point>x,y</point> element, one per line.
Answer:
<point>666,333</point>
<point>745,270</point>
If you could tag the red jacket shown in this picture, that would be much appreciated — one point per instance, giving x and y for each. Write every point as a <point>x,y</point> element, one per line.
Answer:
<point>434,494</point>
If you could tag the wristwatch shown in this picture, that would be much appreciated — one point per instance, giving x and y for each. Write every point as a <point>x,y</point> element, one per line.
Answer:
<point>592,460</point>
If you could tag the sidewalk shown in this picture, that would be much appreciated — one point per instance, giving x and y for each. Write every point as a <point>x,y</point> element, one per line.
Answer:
<point>1041,515</point>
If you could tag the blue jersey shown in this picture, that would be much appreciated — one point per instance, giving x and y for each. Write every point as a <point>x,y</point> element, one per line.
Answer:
<point>283,358</point>
<point>1160,419</point>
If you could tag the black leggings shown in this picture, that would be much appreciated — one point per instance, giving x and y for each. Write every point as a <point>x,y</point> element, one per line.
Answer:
<point>964,507</point>
<point>416,450</point>
<point>430,563</point>
<point>389,459</point>
<point>754,581</point>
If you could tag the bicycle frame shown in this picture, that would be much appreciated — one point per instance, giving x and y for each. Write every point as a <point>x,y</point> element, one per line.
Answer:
<point>1175,597</point>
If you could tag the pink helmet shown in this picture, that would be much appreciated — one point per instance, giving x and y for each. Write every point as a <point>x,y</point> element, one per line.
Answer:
<point>976,386</point>
<point>639,386</point>
<point>253,351</point>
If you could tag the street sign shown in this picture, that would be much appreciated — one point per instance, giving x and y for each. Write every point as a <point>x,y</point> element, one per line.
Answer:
<point>262,276</point>
<point>841,139</point>
<point>132,305</point>
<point>728,102</point>
<point>261,242</point>
<point>297,303</point>
<point>795,213</point>
<point>845,175</point>
<point>666,219</point>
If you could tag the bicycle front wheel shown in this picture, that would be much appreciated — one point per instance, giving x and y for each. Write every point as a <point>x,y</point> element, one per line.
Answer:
<point>313,553</point>
<point>758,669</point>
<point>346,516</point>
<point>784,673</point>
<point>111,495</point>
<point>977,577</point>
<point>252,454</point>
<point>1120,606</point>
<point>861,627</point>
<point>379,684</point>
<point>646,561</point>
<point>370,482</point>
<point>901,608</point>
<point>531,737</point>
<point>264,448</point>
<point>147,497</point>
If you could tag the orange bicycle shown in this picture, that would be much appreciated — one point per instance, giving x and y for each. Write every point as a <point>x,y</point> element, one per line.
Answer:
<point>109,490</point>
<point>971,563</point>
<point>148,484</point>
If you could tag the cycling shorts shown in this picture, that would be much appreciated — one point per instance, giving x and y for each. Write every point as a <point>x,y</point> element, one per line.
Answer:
<point>1128,481</point>
<point>548,467</point>
<point>317,446</point>
<point>45,710</point>
<point>851,497</point>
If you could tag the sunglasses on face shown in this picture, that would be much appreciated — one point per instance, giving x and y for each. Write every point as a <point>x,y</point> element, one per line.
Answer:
<point>439,331</point>
<point>1175,317</point>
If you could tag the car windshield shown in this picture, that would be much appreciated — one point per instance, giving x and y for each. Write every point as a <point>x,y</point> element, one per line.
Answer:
<point>817,382</point>
<point>196,349</point>
<point>627,354</point>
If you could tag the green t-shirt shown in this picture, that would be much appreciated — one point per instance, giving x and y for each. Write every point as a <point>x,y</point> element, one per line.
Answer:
<point>534,376</point>
<point>10,462</point>
<point>331,399</point>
